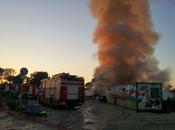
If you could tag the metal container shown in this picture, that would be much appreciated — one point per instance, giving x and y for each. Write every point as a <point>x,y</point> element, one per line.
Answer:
<point>137,96</point>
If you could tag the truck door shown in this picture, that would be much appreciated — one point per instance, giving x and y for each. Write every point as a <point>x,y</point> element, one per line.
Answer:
<point>63,95</point>
<point>72,92</point>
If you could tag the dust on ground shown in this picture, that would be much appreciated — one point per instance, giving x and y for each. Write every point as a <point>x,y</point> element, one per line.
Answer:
<point>92,115</point>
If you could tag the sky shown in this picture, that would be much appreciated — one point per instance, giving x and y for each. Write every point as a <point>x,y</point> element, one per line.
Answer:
<point>56,36</point>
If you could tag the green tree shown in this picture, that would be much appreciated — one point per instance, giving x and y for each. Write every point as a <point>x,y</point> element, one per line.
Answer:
<point>36,77</point>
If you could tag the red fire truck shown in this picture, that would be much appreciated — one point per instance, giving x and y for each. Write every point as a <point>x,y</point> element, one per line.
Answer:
<point>62,90</point>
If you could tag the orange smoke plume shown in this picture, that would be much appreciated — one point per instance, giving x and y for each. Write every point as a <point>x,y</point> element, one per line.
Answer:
<point>125,39</point>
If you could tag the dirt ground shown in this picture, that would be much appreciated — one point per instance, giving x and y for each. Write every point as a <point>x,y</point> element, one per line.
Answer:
<point>92,116</point>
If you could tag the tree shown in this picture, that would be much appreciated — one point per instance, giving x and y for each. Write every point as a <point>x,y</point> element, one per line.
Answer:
<point>1,71</point>
<point>1,74</point>
<point>10,78</point>
<point>15,79</point>
<point>36,77</point>
<point>9,72</point>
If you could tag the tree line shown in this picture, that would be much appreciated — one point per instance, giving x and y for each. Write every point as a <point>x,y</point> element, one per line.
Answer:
<point>11,76</point>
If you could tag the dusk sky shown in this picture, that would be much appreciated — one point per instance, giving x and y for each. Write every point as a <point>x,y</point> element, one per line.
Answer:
<point>56,36</point>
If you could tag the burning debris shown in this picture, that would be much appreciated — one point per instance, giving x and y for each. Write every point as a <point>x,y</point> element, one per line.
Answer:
<point>125,39</point>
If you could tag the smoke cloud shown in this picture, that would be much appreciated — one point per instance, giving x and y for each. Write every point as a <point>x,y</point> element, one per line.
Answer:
<point>125,40</point>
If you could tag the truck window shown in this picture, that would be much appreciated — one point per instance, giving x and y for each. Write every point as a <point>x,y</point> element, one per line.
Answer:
<point>155,93</point>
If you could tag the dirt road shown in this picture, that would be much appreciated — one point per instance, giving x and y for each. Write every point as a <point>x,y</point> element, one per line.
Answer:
<point>92,116</point>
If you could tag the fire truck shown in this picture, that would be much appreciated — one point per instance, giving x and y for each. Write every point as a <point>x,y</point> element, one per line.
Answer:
<point>62,90</point>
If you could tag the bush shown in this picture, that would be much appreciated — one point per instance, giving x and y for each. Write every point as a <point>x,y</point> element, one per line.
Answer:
<point>12,103</point>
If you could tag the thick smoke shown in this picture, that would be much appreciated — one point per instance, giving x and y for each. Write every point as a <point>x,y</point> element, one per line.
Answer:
<point>125,39</point>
